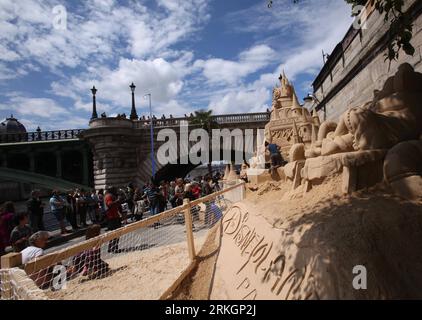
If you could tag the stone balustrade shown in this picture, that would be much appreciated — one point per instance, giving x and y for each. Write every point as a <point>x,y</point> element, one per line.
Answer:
<point>40,136</point>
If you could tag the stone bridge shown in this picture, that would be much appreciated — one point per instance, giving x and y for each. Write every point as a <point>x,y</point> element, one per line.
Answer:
<point>43,160</point>
<point>111,151</point>
<point>122,150</point>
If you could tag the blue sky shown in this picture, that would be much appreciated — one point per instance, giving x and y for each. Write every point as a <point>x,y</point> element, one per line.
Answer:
<point>190,54</point>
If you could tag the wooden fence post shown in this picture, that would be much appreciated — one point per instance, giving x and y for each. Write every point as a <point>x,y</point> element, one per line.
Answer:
<point>11,260</point>
<point>189,230</point>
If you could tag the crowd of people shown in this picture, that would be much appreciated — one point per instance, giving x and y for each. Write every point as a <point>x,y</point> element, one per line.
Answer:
<point>25,232</point>
<point>112,207</point>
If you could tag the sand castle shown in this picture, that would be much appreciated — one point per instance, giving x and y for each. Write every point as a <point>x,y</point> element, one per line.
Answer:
<point>290,124</point>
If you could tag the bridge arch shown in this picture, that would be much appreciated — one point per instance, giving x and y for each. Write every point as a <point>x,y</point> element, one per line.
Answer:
<point>38,179</point>
<point>19,162</point>
<point>170,172</point>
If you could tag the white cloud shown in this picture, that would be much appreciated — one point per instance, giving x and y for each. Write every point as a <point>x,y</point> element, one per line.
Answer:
<point>159,77</point>
<point>39,107</point>
<point>231,72</point>
<point>44,112</point>
<point>94,35</point>
<point>296,34</point>
<point>241,101</point>
<point>7,54</point>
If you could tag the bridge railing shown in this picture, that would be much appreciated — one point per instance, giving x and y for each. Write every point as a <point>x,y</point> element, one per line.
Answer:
<point>167,122</point>
<point>220,119</point>
<point>242,118</point>
<point>40,136</point>
<point>142,123</point>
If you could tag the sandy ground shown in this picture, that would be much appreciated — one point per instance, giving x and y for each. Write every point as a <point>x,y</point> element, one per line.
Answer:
<point>143,275</point>
<point>323,230</point>
<point>330,233</point>
<point>197,285</point>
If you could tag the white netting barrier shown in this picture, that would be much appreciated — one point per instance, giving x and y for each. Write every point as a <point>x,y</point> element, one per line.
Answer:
<point>140,260</point>
<point>15,285</point>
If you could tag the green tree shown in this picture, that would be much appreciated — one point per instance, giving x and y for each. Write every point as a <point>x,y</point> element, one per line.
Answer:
<point>205,120</point>
<point>401,27</point>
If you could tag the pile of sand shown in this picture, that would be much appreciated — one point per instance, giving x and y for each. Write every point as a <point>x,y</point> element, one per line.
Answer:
<point>142,275</point>
<point>321,236</point>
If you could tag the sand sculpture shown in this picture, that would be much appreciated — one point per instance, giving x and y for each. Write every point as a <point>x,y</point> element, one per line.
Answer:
<point>305,238</point>
<point>361,146</point>
<point>289,123</point>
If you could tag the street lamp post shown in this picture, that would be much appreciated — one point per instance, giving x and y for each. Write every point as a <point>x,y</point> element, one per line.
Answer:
<point>133,114</point>
<point>94,103</point>
<point>313,98</point>
<point>152,135</point>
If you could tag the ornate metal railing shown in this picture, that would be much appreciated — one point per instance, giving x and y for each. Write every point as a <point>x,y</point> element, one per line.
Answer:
<point>40,136</point>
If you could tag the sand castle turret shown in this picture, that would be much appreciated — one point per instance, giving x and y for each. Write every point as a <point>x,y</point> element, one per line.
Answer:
<point>290,121</point>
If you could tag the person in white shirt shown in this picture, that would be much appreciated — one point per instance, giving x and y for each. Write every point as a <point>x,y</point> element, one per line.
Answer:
<point>37,244</point>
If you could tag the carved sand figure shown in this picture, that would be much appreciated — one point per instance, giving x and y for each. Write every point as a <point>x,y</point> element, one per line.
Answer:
<point>394,115</point>
<point>290,123</point>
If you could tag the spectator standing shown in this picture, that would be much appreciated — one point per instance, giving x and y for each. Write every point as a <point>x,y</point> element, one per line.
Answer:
<point>7,214</point>
<point>71,210</point>
<point>179,192</point>
<point>92,206</point>
<point>113,217</point>
<point>101,204</point>
<point>129,197</point>
<point>19,238</point>
<point>36,212</point>
<point>164,196</point>
<point>207,186</point>
<point>188,194</point>
<point>172,193</point>
<point>196,190</point>
<point>81,203</point>
<point>152,194</point>
<point>57,207</point>
<point>139,204</point>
